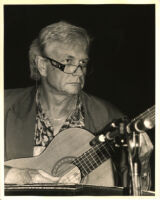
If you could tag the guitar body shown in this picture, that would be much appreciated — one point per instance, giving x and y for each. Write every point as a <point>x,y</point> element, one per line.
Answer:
<point>58,156</point>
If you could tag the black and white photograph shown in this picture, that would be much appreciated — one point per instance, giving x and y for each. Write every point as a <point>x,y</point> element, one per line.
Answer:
<point>79,100</point>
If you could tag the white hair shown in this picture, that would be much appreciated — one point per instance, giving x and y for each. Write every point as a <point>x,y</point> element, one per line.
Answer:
<point>61,31</point>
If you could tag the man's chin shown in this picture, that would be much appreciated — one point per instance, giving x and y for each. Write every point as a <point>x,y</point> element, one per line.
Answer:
<point>73,89</point>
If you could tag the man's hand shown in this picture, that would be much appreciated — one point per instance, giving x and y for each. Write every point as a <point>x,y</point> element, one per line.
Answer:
<point>28,176</point>
<point>146,147</point>
<point>144,153</point>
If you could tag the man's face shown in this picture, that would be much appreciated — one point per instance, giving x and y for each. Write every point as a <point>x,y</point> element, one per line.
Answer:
<point>66,53</point>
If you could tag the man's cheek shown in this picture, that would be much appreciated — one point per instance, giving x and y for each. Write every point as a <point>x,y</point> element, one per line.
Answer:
<point>82,82</point>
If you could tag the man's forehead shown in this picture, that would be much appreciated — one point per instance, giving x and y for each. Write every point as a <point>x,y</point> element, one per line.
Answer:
<point>67,49</point>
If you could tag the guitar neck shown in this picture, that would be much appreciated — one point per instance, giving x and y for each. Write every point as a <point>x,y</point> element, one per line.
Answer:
<point>94,157</point>
<point>149,113</point>
<point>147,118</point>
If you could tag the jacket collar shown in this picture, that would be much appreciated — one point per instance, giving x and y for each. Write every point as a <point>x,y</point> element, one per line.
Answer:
<point>26,106</point>
<point>26,103</point>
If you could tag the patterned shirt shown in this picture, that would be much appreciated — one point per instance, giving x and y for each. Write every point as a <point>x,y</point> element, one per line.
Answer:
<point>44,130</point>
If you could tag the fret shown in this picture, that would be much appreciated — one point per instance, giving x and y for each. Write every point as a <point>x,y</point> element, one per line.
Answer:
<point>96,155</point>
<point>91,159</point>
<point>100,153</point>
<point>148,113</point>
<point>107,151</point>
<point>83,174</point>
<point>97,158</point>
<point>81,164</point>
<point>84,164</point>
<point>89,162</point>
<point>94,158</point>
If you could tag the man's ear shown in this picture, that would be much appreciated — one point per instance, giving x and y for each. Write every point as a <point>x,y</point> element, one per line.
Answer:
<point>41,65</point>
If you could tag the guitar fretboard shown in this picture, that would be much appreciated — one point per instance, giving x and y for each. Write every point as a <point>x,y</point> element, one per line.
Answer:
<point>96,155</point>
<point>93,158</point>
<point>149,113</point>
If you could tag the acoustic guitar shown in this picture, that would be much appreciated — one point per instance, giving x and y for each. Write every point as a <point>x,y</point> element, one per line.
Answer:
<point>71,157</point>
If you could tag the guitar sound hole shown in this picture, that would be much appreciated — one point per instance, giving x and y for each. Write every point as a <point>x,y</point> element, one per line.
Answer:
<point>69,172</point>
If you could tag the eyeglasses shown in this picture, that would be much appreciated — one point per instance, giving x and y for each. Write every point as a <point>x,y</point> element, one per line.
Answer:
<point>68,68</point>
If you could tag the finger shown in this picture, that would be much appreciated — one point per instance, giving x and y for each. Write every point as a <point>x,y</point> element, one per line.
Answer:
<point>64,180</point>
<point>146,147</point>
<point>17,176</point>
<point>145,143</point>
<point>48,176</point>
<point>144,138</point>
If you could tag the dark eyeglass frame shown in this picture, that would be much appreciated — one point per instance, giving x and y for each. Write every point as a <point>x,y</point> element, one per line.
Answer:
<point>61,66</point>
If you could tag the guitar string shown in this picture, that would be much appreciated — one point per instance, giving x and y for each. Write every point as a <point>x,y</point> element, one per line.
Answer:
<point>91,151</point>
<point>145,114</point>
<point>83,161</point>
<point>85,173</point>
<point>93,157</point>
<point>151,113</point>
<point>90,165</point>
<point>151,118</point>
<point>80,162</point>
<point>87,164</point>
<point>98,147</point>
<point>71,178</point>
<point>103,156</point>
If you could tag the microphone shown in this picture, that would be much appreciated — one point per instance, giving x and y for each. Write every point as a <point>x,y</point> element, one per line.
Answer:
<point>120,130</point>
<point>110,131</point>
<point>112,135</point>
<point>140,125</point>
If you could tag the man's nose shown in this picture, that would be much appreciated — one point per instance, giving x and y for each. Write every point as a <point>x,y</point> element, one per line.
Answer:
<point>78,71</point>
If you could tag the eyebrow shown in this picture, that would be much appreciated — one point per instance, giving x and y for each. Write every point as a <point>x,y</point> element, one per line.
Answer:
<point>69,56</point>
<point>72,57</point>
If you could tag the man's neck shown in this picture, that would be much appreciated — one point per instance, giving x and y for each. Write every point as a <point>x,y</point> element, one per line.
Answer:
<point>57,104</point>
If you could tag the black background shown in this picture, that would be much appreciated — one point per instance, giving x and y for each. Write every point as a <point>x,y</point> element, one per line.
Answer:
<point>122,53</point>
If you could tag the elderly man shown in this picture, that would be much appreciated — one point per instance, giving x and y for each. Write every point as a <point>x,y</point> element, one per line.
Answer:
<point>35,116</point>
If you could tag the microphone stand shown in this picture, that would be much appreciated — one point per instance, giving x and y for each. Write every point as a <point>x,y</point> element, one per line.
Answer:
<point>130,142</point>
<point>133,150</point>
<point>117,131</point>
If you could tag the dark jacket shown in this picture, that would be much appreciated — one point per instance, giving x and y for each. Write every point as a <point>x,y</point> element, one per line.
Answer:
<point>20,115</point>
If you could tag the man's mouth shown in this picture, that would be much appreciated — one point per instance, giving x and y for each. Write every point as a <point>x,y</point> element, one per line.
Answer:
<point>75,83</point>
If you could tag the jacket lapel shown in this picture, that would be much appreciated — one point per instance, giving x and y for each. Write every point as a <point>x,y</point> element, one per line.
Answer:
<point>89,120</point>
<point>20,127</point>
